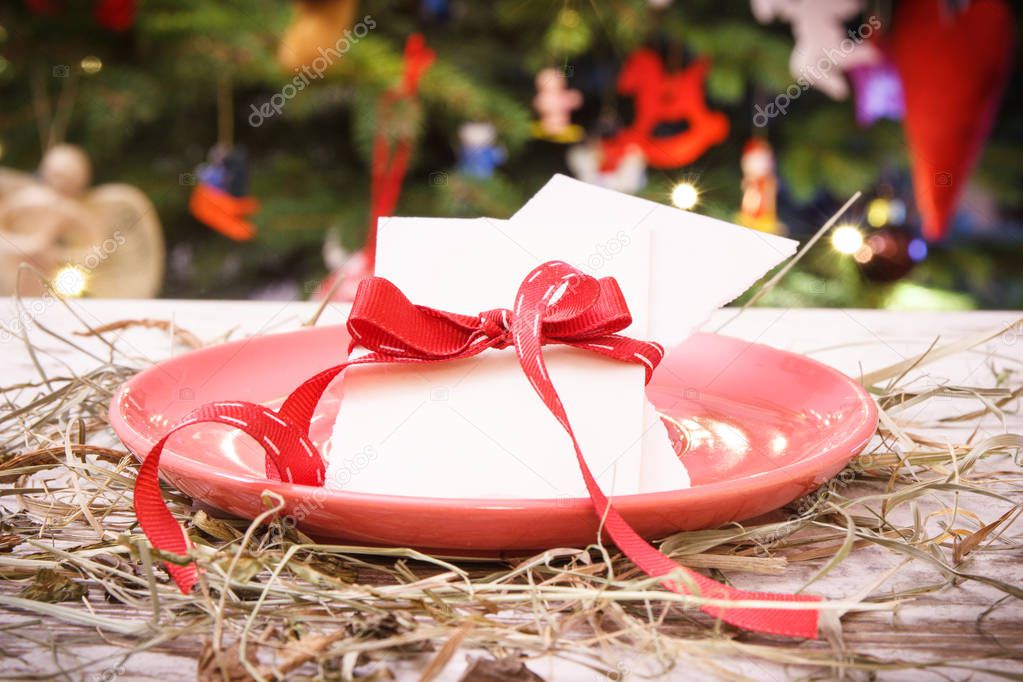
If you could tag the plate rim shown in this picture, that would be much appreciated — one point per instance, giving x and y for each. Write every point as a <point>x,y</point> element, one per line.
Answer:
<point>173,464</point>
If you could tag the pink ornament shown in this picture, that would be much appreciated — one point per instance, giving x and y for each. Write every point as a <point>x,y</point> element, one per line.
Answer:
<point>555,102</point>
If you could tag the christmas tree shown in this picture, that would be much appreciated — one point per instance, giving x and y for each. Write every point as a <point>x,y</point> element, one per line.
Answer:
<point>149,90</point>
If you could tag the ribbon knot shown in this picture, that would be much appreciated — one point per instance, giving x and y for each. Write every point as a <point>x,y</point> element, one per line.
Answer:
<point>496,327</point>
<point>565,306</point>
<point>555,304</point>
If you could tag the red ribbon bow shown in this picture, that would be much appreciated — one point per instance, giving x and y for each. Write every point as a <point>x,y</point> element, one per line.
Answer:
<point>555,304</point>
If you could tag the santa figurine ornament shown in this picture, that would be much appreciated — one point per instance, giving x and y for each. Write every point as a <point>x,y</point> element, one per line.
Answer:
<point>759,188</point>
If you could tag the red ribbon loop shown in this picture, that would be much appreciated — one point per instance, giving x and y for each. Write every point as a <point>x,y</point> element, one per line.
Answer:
<point>580,308</point>
<point>555,304</point>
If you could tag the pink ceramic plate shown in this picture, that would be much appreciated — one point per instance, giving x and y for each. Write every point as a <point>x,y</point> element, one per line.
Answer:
<point>763,427</point>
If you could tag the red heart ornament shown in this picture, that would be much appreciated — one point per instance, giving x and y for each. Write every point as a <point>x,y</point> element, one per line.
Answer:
<point>954,66</point>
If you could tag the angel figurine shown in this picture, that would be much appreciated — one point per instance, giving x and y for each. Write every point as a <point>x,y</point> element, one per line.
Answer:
<point>104,242</point>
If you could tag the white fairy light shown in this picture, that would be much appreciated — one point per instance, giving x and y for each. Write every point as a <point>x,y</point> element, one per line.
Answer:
<point>685,195</point>
<point>847,239</point>
<point>70,281</point>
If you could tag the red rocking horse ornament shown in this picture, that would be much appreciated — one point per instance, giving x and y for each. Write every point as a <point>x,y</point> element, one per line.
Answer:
<point>663,97</point>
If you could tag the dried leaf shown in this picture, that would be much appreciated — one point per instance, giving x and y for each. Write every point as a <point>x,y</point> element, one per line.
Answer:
<point>9,542</point>
<point>507,669</point>
<point>323,571</point>
<point>439,661</point>
<point>225,667</point>
<point>376,626</point>
<point>51,586</point>
<point>182,336</point>
<point>971,541</point>
<point>298,652</point>
<point>215,527</point>
<point>246,568</point>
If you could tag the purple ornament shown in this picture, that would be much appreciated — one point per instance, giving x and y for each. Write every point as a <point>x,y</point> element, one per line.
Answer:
<point>878,92</point>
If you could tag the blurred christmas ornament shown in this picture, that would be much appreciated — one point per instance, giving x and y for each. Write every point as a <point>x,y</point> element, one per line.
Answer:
<point>759,188</point>
<point>877,91</point>
<point>104,242</point>
<point>391,157</point>
<point>629,176</point>
<point>954,66</point>
<point>886,210</point>
<point>11,180</point>
<point>889,253</point>
<point>479,155</point>
<point>435,11</point>
<point>220,197</point>
<point>66,169</point>
<point>347,270</point>
<point>43,8</point>
<point>114,15</point>
<point>316,29</point>
<point>663,98</point>
<point>555,102</point>
<point>389,164</point>
<point>823,48</point>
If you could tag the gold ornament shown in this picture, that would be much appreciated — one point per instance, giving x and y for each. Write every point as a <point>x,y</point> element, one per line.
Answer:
<point>315,31</point>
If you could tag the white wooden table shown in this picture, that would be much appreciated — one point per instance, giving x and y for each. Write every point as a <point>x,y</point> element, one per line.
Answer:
<point>954,624</point>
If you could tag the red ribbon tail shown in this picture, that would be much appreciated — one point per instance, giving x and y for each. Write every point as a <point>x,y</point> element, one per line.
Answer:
<point>531,304</point>
<point>787,622</point>
<point>802,623</point>
<point>158,523</point>
<point>290,456</point>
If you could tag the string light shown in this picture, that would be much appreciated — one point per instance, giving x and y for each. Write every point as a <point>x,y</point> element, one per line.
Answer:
<point>91,64</point>
<point>70,281</point>
<point>917,250</point>
<point>847,239</point>
<point>877,212</point>
<point>685,196</point>
<point>864,254</point>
